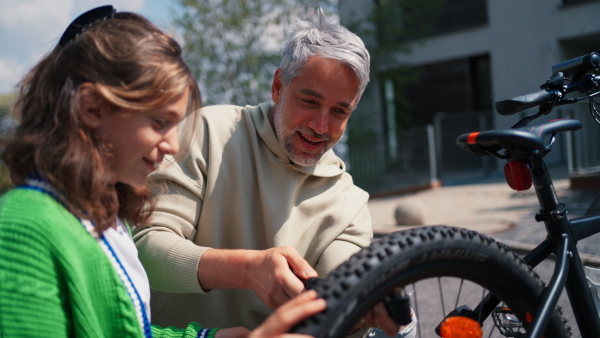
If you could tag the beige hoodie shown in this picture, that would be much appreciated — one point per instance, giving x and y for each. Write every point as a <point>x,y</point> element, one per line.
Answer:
<point>237,189</point>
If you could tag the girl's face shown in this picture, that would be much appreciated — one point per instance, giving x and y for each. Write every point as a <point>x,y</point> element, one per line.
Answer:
<point>138,140</point>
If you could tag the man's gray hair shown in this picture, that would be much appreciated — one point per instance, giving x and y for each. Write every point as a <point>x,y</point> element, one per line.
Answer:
<point>328,40</point>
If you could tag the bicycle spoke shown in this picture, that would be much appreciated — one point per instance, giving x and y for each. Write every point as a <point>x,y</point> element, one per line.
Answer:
<point>459,292</point>
<point>416,309</point>
<point>491,331</point>
<point>442,297</point>
<point>430,310</point>
<point>479,314</point>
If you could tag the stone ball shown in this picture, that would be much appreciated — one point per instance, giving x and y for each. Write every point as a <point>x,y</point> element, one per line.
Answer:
<point>410,211</point>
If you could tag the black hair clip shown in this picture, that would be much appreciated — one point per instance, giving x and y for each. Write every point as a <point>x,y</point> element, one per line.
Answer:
<point>84,21</point>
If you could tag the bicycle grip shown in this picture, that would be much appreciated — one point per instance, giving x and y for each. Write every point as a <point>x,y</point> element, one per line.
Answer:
<point>522,102</point>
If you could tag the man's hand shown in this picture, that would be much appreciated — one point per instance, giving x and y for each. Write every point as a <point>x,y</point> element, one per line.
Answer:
<point>275,274</point>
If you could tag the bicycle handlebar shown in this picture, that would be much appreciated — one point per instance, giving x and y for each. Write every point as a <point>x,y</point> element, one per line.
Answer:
<point>554,90</point>
<point>574,68</point>
<point>519,103</point>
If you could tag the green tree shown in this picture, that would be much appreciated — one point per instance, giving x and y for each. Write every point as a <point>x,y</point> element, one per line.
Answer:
<point>6,102</point>
<point>233,46</point>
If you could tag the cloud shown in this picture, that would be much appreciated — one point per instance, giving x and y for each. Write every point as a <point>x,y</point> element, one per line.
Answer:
<point>10,75</point>
<point>31,28</point>
<point>28,29</point>
<point>34,14</point>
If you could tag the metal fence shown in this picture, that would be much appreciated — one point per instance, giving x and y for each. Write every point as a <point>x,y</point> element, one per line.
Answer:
<point>423,155</point>
<point>455,164</point>
<point>429,153</point>
<point>583,146</point>
<point>375,170</point>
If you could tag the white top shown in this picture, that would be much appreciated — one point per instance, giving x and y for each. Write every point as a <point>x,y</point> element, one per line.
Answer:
<point>125,249</point>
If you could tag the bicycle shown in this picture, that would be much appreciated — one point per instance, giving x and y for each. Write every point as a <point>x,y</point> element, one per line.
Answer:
<point>482,285</point>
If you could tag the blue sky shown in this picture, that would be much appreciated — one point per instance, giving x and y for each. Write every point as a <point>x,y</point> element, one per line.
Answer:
<point>30,28</point>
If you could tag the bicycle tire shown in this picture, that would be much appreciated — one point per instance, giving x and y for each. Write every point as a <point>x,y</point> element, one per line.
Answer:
<point>423,254</point>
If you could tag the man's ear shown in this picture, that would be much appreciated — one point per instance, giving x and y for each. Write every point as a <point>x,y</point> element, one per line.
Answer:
<point>89,105</point>
<point>276,86</point>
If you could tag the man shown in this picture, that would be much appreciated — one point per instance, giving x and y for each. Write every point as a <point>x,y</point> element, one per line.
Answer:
<point>261,198</point>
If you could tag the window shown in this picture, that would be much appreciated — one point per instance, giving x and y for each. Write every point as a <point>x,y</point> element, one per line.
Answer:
<point>401,21</point>
<point>453,86</point>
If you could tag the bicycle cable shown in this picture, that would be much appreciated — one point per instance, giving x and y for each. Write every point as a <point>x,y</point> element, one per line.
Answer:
<point>592,103</point>
<point>592,106</point>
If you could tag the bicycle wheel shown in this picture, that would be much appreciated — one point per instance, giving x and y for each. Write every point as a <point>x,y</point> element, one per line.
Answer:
<point>442,269</point>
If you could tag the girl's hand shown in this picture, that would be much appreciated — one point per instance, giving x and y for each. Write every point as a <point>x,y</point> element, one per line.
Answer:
<point>289,314</point>
<point>233,332</point>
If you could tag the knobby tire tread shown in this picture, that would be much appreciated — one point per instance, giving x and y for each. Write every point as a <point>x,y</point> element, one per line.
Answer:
<point>407,256</point>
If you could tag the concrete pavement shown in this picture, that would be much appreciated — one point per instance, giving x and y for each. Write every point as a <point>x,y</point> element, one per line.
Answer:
<point>490,207</point>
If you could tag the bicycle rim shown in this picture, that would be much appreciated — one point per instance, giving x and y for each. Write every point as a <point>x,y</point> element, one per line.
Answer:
<point>441,268</point>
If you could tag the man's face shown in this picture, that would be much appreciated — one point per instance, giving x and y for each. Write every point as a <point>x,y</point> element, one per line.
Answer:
<point>311,112</point>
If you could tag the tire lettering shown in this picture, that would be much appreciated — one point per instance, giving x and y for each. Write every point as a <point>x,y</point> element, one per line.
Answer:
<point>454,253</point>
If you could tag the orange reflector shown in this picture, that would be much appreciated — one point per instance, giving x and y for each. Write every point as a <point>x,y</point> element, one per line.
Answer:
<point>517,175</point>
<point>460,327</point>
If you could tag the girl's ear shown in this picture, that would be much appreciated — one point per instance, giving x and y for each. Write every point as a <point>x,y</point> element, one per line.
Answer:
<point>89,105</point>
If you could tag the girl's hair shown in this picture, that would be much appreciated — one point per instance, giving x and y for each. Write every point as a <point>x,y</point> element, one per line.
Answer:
<point>133,65</point>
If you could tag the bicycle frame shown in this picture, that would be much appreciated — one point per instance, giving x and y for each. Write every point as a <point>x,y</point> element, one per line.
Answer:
<point>563,235</point>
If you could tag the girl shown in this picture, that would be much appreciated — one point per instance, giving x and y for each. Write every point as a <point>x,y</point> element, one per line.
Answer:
<point>96,116</point>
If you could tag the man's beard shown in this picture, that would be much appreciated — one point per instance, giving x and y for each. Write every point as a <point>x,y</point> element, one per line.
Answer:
<point>285,138</point>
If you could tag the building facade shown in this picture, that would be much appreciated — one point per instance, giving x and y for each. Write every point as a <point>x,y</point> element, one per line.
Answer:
<point>444,63</point>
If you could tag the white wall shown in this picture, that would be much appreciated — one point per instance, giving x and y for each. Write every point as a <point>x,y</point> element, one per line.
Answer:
<point>522,38</point>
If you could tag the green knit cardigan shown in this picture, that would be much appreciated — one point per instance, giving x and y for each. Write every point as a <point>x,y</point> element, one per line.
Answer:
<point>56,281</point>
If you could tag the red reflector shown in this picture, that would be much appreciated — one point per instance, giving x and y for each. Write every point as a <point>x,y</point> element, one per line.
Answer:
<point>472,137</point>
<point>517,175</point>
